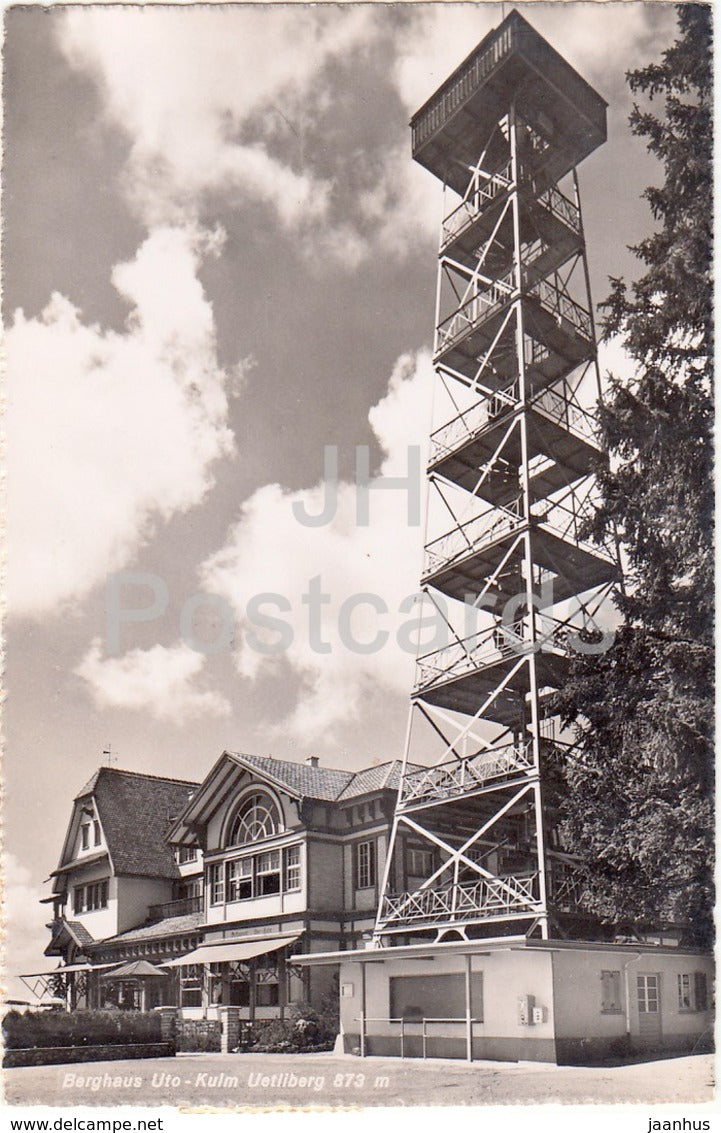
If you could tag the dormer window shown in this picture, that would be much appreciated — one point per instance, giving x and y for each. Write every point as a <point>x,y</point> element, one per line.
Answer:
<point>96,832</point>
<point>257,817</point>
<point>84,835</point>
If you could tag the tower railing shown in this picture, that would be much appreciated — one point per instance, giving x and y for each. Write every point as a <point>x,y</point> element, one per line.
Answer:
<point>553,404</point>
<point>566,520</point>
<point>450,780</point>
<point>486,301</point>
<point>499,642</point>
<point>485,898</point>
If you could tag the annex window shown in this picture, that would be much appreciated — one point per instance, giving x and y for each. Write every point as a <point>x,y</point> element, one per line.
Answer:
<point>240,879</point>
<point>78,898</point>
<point>647,987</point>
<point>187,854</point>
<point>292,867</point>
<point>217,888</point>
<point>419,862</point>
<point>611,992</point>
<point>440,996</point>
<point>365,864</point>
<point>257,818</point>
<point>692,991</point>
<point>267,872</point>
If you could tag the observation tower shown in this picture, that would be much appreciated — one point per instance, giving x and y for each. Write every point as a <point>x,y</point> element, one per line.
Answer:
<point>509,570</point>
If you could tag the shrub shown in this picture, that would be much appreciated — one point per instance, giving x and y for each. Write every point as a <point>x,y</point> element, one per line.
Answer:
<point>305,1030</point>
<point>80,1028</point>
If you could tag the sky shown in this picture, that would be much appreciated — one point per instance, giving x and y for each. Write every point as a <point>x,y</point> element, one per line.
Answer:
<point>219,283</point>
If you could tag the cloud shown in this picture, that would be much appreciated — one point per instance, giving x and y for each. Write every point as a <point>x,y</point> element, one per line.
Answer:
<point>157,680</point>
<point>441,35</point>
<point>217,99</point>
<point>24,922</point>
<point>269,551</point>
<point>108,433</point>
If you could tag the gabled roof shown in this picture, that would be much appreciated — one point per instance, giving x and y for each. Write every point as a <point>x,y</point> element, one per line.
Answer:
<point>301,780</point>
<point>329,783</point>
<point>135,812</point>
<point>384,777</point>
<point>63,930</point>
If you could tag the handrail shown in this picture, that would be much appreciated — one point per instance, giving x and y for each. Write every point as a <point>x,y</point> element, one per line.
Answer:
<point>460,776</point>
<point>462,901</point>
<point>495,644</point>
<point>550,403</point>
<point>557,303</point>
<point>438,108</point>
<point>467,537</point>
<point>471,207</point>
<point>480,306</point>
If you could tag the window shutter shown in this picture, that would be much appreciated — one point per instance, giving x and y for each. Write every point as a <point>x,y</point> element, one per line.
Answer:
<point>699,988</point>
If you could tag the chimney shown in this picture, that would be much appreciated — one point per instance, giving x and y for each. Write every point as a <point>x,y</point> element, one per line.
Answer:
<point>312,760</point>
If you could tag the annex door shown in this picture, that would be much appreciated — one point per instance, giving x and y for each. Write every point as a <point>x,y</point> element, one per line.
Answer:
<point>648,986</point>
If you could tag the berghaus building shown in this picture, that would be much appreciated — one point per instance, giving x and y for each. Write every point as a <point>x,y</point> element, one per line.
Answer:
<point>432,894</point>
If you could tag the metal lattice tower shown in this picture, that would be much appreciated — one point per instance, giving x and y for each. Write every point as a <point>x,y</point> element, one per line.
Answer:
<point>509,571</point>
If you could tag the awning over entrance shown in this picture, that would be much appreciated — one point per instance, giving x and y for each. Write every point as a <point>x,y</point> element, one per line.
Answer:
<point>227,950</point>
<point>67,968</point>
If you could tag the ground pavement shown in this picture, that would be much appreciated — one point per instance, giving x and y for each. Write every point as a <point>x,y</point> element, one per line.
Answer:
<point>324,1079</point>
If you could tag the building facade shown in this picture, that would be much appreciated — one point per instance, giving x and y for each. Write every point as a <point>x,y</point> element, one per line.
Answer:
<point>215,885</point>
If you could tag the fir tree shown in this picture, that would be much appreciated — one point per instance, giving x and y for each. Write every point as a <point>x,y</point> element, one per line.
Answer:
<point>638,788</point>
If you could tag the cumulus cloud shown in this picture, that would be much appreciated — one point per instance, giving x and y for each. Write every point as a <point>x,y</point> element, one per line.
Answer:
<point>217,99</point>
<point>269,551</point>
<point>159,680</point>
<point>110,432</point>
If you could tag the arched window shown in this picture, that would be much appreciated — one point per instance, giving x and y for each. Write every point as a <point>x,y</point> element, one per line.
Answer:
<point>257,818</point>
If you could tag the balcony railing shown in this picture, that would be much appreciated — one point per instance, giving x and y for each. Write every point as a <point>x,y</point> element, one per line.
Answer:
<point>566,519</point>
<point>468,537</point>
<point>439,109</point>
<point>487,187</point>
<point>554,300</point>
<point>489,299</point>
<point>470,422</point>
<point>180,908</point>
<point>449,780</point>
<point>487,897</point>
<point>568,890</point>
<point>553,404</point>
<point>499,643</point>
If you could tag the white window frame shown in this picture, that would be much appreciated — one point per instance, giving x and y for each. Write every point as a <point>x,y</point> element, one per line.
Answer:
<point>267,864</point>
<point>292,869</point>
<point>239,870</point>
<point>216,883</point>
<point>365,864</point>
<point>645,983</point>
